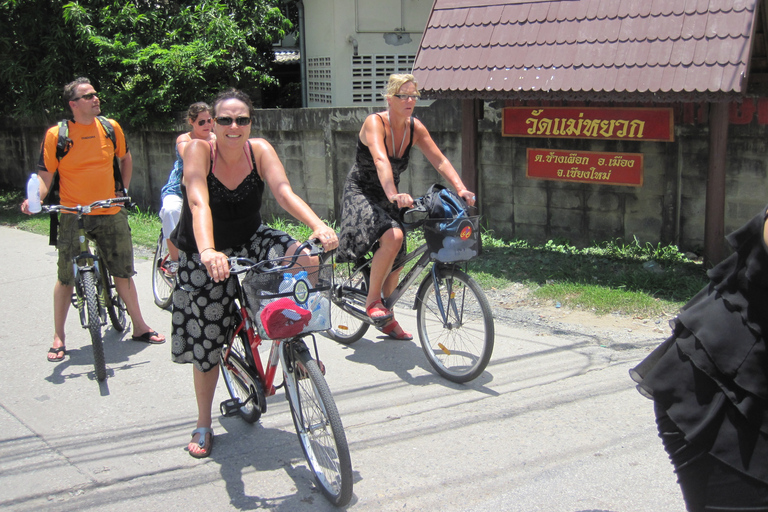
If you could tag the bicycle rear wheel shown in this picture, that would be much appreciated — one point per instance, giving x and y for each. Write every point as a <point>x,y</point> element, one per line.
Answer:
<point>241,380</point>
<point>94,322</point>
<point>455,325</point>
<point>317,423</point>
<point>349,290</point>
<point>163,281</point>
<point>112,301</point>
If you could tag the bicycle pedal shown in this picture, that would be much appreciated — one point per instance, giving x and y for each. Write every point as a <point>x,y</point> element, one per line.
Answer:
<point>230,408</point>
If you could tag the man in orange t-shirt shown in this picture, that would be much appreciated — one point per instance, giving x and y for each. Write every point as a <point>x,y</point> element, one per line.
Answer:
<point>86,175</point>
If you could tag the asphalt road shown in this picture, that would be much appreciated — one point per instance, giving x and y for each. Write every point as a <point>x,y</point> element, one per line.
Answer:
<point>554,424</point>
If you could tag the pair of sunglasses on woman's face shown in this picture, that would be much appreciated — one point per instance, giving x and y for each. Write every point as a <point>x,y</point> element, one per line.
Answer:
<point>227,121</point>
<point>203,122</point>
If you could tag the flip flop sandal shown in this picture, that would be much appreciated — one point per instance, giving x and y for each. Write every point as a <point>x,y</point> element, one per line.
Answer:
<point>54,350</point>
<point>378,307</point>
<point>390,329</point>
<point>147,338</point>
<point>201,442</point>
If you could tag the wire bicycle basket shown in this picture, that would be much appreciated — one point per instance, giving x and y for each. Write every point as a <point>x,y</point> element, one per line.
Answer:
<point>287,301</point>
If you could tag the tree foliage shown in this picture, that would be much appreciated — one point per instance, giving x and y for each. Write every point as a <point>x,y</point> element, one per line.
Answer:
<point>147,58</point>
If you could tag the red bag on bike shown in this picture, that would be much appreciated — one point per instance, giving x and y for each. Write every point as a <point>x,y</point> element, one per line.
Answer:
<point>284,319</point>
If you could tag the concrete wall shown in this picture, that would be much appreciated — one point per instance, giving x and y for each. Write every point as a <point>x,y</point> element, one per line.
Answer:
<point>317,148</point>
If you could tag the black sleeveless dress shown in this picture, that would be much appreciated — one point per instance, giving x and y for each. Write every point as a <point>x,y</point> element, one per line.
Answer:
<point>366,214</point>
<point>711,376</point>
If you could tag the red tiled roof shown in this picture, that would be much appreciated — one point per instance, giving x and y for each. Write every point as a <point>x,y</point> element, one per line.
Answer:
<point>587,49</point>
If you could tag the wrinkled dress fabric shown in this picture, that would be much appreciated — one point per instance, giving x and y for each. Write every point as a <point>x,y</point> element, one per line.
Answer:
<point>711,376</point>
<point>366,214</point>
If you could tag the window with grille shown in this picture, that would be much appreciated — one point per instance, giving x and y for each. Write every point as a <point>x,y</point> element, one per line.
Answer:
<point>371,72</point>
<point>319,80</point>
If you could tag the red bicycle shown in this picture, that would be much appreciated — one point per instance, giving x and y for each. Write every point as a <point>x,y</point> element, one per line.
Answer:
<point>285,302</point>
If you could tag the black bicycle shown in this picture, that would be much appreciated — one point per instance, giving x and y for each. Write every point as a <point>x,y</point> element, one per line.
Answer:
<point>95,296</point>
<point>454,318</point>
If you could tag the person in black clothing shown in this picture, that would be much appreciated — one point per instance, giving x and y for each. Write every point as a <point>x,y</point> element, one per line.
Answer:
<point>222,187</point>
<point>371,197</point>
<point>709,382</point>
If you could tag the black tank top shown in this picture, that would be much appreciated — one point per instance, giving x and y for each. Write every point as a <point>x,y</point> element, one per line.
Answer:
<point>236,213</point>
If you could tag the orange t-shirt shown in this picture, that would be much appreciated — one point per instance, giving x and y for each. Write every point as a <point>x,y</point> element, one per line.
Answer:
<point>85,172</point>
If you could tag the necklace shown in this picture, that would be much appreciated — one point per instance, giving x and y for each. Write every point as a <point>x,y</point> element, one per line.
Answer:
<point>402,142</point>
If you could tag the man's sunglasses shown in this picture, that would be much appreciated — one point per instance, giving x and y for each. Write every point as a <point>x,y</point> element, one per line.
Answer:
<point>227,121</point>
<point>203,122</point>
<point>88,96</point>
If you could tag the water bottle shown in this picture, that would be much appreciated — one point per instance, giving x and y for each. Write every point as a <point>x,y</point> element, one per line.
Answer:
<point>33,194</point>
<point>320,307</point>
<point>287,284</point>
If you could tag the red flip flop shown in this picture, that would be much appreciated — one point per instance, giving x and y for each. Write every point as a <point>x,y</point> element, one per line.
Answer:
<point>393,326</point>
<point>383,315</point>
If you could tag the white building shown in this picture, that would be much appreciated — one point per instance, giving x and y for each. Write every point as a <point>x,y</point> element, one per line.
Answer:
<point>351,47</point>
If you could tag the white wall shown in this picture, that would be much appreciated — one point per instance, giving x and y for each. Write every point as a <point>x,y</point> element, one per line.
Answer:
<point>387,33</point>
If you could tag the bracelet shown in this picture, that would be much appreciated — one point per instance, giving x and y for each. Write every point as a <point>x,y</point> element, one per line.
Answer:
<point>207,248</point>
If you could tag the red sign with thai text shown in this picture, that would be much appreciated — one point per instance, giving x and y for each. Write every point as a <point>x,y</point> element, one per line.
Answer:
<point>586,167</point>
<point>642,124</point>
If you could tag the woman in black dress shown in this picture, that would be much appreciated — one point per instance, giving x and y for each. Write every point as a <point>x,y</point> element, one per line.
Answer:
<point>709,382</point>
<point>371,197</point>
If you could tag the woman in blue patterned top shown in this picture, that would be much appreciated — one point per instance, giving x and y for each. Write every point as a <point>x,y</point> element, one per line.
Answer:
<point>200,119</point>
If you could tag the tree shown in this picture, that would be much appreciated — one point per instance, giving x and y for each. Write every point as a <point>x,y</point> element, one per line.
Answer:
<point>148,59</point>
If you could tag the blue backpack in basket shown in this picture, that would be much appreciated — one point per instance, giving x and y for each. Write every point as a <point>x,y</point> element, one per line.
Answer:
<point>450,232</point>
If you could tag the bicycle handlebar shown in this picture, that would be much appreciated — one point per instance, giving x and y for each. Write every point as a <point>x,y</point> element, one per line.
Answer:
<point>238,265</point>
<point>418,206</point>
<point>85,209</point>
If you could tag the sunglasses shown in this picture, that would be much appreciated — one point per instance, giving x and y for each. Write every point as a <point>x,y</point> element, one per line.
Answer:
<point>88,96</point>
<point>227,121</point>
<point>406,97</point>
<point>203,122</point>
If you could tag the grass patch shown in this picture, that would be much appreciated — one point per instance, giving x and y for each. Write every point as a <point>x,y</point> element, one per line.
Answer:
<point>608,277</point>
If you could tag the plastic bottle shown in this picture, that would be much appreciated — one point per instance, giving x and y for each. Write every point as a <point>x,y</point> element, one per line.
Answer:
<point>288,282</point>
<point>33,193</point>
<point>320,308</point>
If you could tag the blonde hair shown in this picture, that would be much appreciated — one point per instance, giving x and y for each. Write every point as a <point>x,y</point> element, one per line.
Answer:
<point>396,81</point>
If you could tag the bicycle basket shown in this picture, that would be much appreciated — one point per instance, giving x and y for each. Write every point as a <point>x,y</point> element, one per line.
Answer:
<point>286,303</point>
<point>452,240</point>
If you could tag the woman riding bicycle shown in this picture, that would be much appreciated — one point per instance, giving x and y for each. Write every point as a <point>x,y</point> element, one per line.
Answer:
<point>371,198</point>
<point>222,188</point>
<point>200,119</point>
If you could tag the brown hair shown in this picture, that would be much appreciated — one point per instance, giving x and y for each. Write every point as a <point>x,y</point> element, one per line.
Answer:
<point>196,109</point>
<point>70,90</point>
<point>235,94</point>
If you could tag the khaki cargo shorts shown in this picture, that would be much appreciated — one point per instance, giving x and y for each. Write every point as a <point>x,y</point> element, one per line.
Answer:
<point>113,236</point>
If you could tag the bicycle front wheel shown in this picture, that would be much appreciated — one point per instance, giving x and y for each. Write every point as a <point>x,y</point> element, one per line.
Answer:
<point>349,290</point>
<point>94,322</point>
<point>455,325</point>
<point>241,380</point>
<point>114,304</point>
<point>318,424</point>
<point>163,281</point>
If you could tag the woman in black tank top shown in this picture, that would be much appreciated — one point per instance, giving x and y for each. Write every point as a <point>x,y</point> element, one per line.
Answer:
<point>222,187</point>
<point>371,196</point>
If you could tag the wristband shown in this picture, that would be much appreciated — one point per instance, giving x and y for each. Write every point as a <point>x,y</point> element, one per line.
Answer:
<point>207,248</point>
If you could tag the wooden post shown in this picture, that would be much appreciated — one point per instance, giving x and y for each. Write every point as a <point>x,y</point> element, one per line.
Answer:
<point>714,220</point>
<point>469,117</point>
